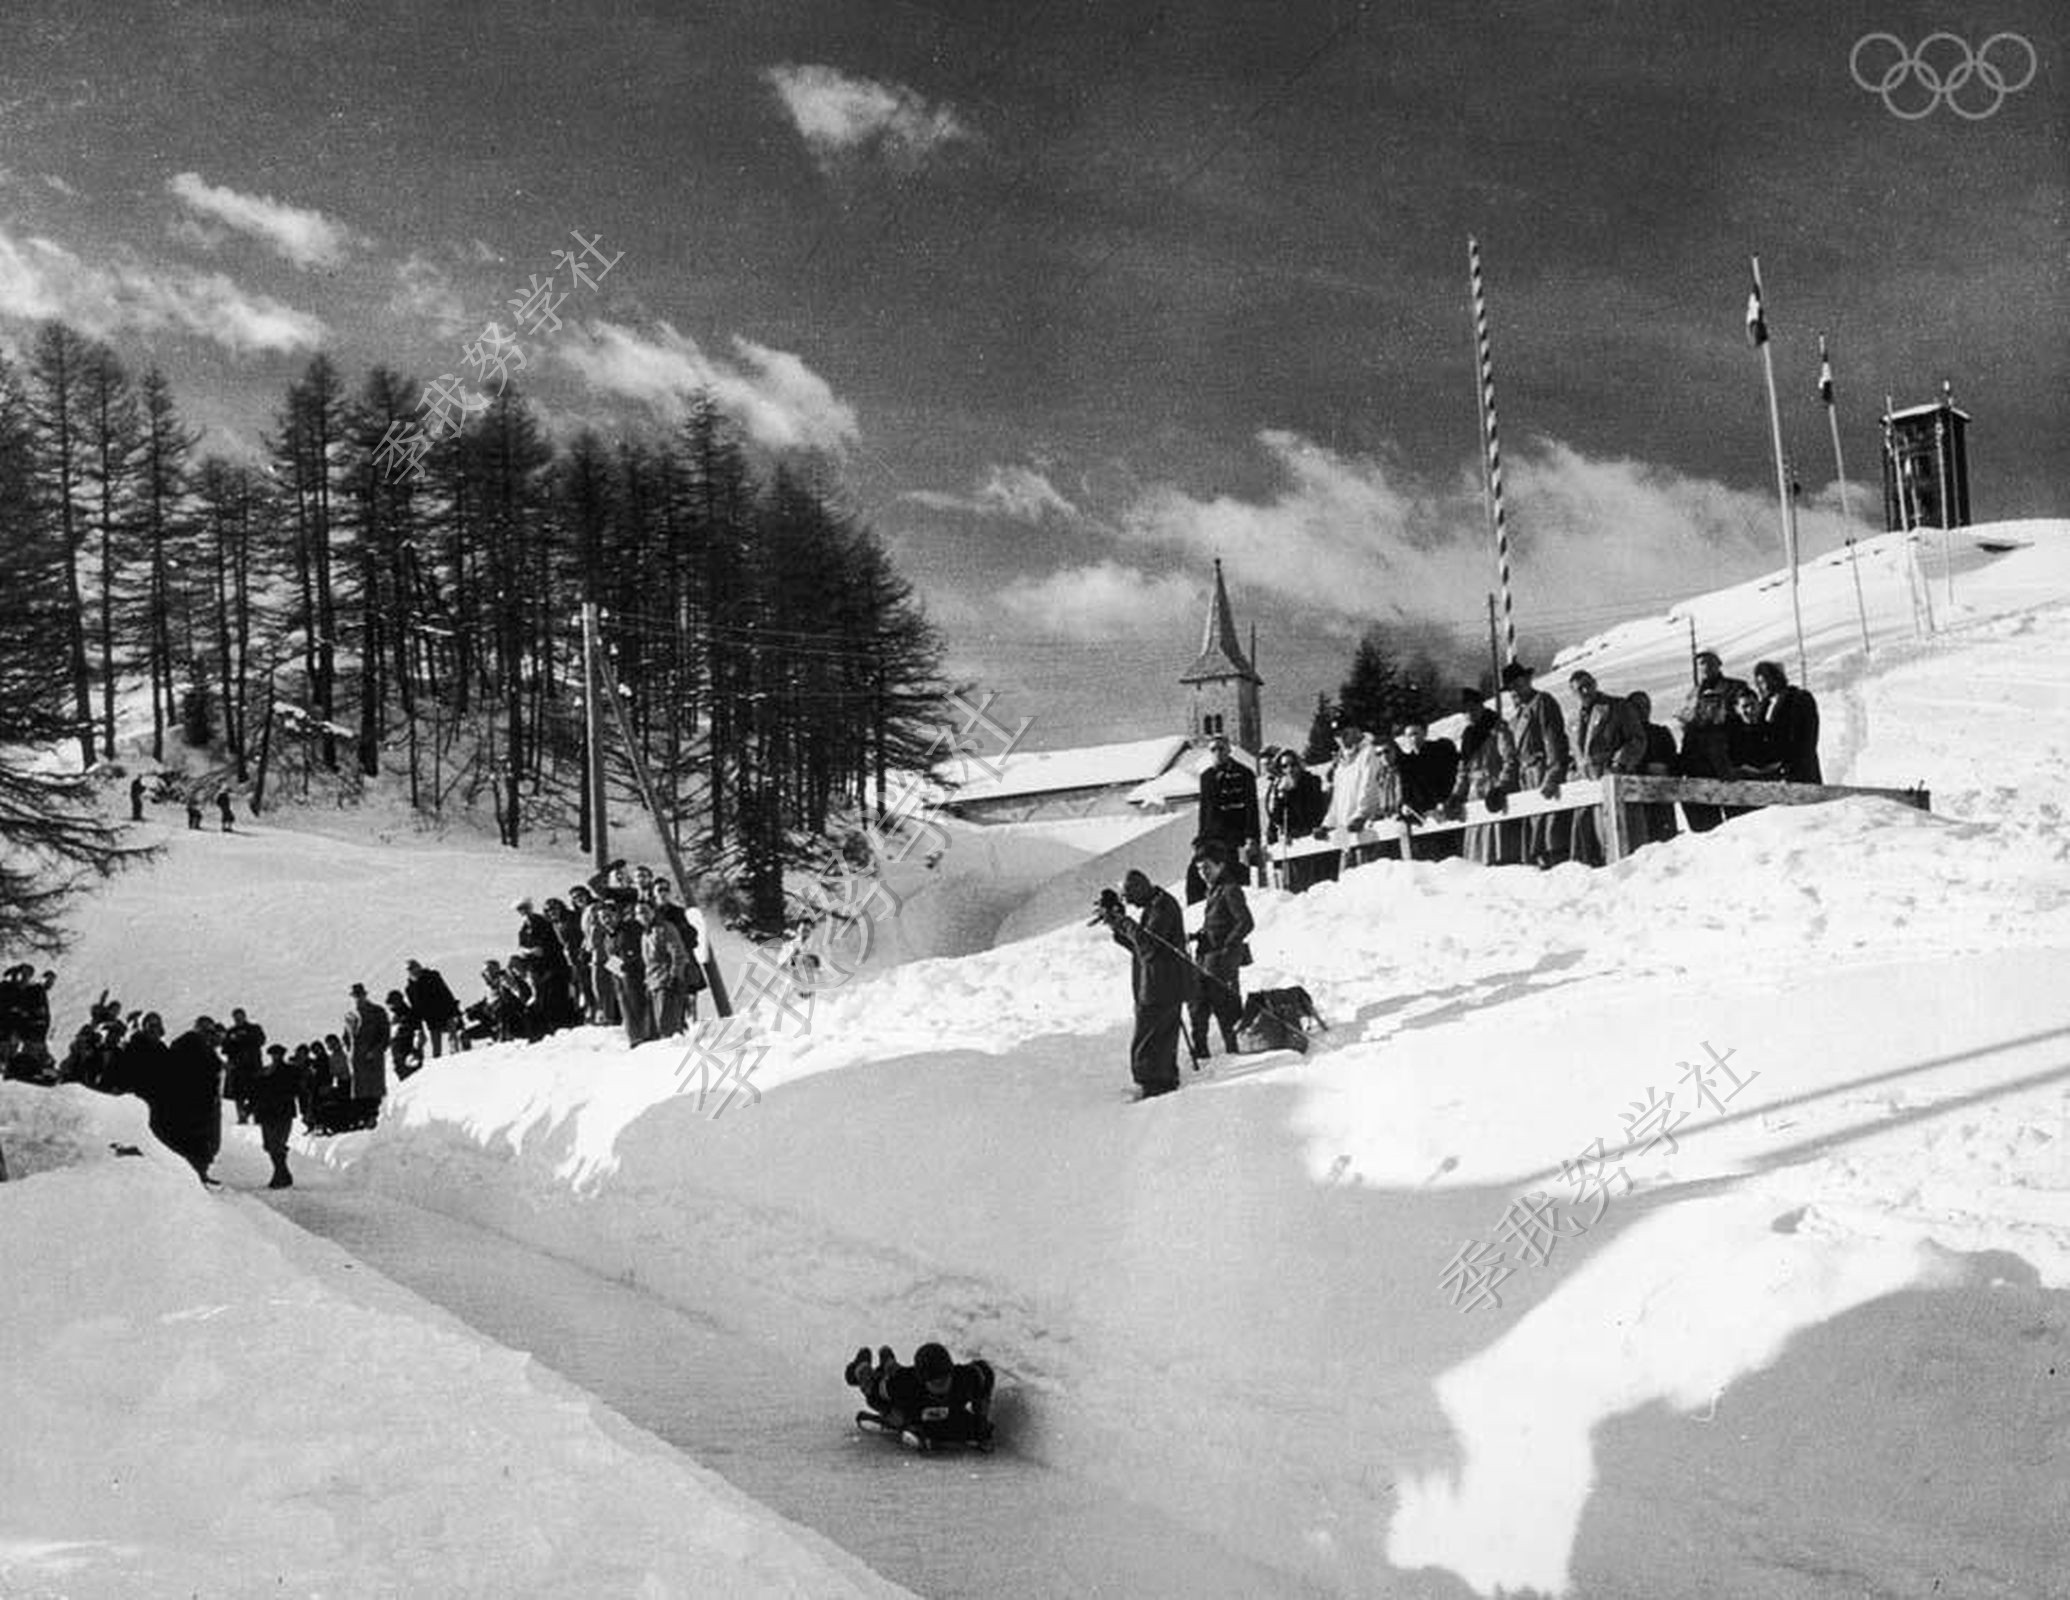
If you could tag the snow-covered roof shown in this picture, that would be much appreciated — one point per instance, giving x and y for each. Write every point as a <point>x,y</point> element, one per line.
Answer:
<point>1181,781</point>
<point>1926,411</point>
<point>1033,772</point>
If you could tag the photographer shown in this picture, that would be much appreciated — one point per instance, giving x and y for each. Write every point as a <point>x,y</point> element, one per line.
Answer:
<point>1161,977</point>
<point>1225,925</point>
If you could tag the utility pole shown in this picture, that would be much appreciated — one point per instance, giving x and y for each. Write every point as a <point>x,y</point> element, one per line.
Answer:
<point>593,731</point>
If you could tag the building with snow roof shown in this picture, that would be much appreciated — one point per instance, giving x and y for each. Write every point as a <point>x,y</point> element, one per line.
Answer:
<point>1926,467</point>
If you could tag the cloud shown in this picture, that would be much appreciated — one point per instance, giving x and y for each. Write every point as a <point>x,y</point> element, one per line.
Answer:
<point>841,117</point>
<point>773,395</point>
<point>1021,494</point>
<point>41,279</point>
<point>1364,540</point>
<point>52,181</point>
<point>307,238</point>
<point>1103,602</point>
<point>425,289</point>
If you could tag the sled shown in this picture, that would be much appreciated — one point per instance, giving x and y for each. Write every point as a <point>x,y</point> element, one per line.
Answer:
<point>913,1439</point>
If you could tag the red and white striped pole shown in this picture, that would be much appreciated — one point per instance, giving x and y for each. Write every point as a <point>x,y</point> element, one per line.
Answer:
<point>1492,461</point>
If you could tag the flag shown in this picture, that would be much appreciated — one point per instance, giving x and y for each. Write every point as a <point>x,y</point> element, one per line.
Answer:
<point>1825,373</point>
<point>1757,321</point>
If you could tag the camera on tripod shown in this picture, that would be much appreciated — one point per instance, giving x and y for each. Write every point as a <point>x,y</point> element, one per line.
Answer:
<point>1109,907</point>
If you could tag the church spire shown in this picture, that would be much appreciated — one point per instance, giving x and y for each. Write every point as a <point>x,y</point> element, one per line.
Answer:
<point>1221,656</point>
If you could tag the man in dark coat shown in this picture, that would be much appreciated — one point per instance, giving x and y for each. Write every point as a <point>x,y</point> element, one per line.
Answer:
<point>276,1089</point>
<point>366,1039</point>
<point>1792,716</point>
<point>1161,979</point>
<point>136,798</point>
<point>1228,812</point>
<point>244,1043</point>
<point>549,966</point>
<point>425,988</point>
<point>186,1098</point>
<point>1705,717</point>
<point>1429,767</point>
<point>223,808</point>
<point>1543,762</point>
<point>138,1059</point>
<point>1663,760</point>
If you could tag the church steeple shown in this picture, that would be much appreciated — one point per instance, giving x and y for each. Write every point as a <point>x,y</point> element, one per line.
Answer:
<point>1224,684</point>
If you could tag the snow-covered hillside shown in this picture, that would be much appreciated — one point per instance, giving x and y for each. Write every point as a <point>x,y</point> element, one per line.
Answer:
<point>1808,1341</point>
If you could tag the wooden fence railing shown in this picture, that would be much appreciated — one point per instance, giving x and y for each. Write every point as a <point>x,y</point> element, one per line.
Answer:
<point>1611,797</point>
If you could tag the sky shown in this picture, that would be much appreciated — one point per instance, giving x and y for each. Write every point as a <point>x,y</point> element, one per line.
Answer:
<point>1072,300</point>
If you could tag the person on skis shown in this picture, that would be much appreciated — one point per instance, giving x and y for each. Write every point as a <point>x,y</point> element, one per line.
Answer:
<point>937,1400</point>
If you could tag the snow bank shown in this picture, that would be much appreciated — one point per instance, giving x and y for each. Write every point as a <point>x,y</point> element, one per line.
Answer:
<point>201,1399</point>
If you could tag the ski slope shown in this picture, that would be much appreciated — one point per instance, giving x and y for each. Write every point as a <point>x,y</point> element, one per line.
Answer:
<point>1811,1346</point>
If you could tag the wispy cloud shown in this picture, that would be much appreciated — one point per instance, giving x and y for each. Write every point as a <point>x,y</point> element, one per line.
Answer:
<point>1103,602</point>
<point>840,116</point>
<point>1361,538</point>
<point>774,396</point>
<point>1021,494</point>
<point>424,289</point>
<point>40,278</point>
<point>305,237</point>
<point>53,182</point>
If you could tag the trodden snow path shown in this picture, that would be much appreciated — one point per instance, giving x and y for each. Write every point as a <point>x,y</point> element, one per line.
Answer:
<point>778,1430</point>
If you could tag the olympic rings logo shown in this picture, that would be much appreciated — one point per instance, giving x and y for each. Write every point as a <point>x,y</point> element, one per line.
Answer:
<point>1943,67</point>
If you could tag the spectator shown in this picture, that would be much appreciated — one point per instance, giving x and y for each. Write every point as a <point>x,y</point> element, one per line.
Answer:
<point>1704,717</point>
<point>1365,787</point>
<point>337,1064</point>
<point>140,1059</point>
<point>567,928</point>
<point>1225,926</point>
<point>14,999</point>
<point>1487,773</point>
<point>244,1044</point>
<point>1752,751</point>
<point>223,809</point>
<point>1159,978</point>
<point>597,921</point>
<point>1294,809</point>
<point>1429,768</point>
<point>405,1036</point>
<point>431,1001</point>
<point>366,1037</point>
<point>547,970</point>
<point>677,916</point>
<point>1662,761</point>
<point>193,813</point>
<point>1608,737</point>
<point>665,957</point>
<point>186,1097</point>
<point>276,1092</point>
<point>1228,811</point>
<point>136,798</point>
<point>629,975</point>
<point>1540,733</point>
<point>1792,716</point>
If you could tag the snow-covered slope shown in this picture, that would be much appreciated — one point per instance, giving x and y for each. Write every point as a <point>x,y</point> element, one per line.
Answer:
<point>1808,1345</point>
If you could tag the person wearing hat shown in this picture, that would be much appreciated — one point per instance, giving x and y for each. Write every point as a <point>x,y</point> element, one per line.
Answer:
<point>1160,978</point>
<point>1228,813</point>
<point>1706,718</point>
<point>427,994</point>
<point>1540,733</point>
<point>186,1097</point>
<point>275,1091</point>
<point>1365,786</point>
<point>366,1043</point>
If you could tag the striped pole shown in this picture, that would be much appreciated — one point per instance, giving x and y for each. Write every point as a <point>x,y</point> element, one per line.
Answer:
<point>1492,462</point>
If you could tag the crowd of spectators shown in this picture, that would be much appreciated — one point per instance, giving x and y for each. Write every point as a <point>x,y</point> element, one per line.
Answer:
<point>1520,742</point>
<point>620,951</point>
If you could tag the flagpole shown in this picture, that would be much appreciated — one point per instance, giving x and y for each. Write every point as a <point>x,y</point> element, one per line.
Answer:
<point>1825,391</point>
<point>1757,328</point>
<point>1491,463</point>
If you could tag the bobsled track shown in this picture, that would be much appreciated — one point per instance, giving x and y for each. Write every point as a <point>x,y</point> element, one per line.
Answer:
<point>953,1525</point>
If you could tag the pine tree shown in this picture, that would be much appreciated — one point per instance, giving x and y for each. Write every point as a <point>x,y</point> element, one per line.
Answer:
<point>52,838</point>
<point>166,537</point>
<point>1371,695</point>
<point>1322,734</point>
<point>56,376</point>
<point>108,426</point>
